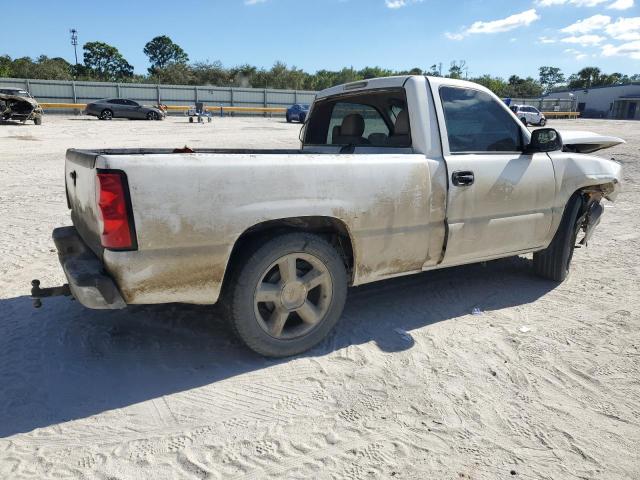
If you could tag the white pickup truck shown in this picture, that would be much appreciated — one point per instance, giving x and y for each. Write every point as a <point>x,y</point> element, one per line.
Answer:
<point>395,176</point>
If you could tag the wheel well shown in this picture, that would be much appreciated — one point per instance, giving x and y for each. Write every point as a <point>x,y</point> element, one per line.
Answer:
<point>331,229</point>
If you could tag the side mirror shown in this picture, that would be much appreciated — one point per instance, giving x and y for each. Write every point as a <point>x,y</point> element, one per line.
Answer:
<point>544,140</point>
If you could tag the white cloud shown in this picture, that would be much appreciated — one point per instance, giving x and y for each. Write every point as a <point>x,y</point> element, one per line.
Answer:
<point>596,22</point>
<point>253,2</point>
<point>584,40</point>
<point>505,24</point>
<point>497,26</point>
<point>578,55</point>
<point>625,29</point>
<point>630,49</point>
<point>577,3</point>
<point>546,40</point>
<point>393,4</point>
<point>621,5</point>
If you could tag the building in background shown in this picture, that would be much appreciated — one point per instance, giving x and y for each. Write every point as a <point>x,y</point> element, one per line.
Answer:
<point>616,101</point>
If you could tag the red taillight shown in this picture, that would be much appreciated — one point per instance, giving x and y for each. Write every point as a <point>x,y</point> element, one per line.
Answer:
<point>117,230</point>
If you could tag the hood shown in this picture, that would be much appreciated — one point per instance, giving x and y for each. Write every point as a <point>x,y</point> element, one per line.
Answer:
<point>587,142</point>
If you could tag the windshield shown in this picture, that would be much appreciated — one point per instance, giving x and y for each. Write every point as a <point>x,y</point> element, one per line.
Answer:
<point>305,107</point>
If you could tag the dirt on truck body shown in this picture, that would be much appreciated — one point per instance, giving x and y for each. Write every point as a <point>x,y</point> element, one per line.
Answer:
<point>19,105</point>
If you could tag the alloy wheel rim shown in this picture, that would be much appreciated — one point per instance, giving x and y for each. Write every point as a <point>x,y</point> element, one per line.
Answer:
<point>293,296</point>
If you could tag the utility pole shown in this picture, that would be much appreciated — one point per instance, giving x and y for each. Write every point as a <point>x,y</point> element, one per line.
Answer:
<point>74,42</point>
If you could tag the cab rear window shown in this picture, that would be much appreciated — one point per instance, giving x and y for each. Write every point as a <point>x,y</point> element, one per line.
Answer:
<point>375,118</point>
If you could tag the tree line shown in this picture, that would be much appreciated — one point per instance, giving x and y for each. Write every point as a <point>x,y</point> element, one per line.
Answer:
<point>170,65</point>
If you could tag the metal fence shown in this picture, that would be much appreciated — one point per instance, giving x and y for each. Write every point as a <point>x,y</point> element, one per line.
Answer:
<point>65,91</point>
<point>548,104</point>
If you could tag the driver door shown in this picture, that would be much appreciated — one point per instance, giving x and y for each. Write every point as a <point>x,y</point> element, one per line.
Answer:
<point>500,199</point>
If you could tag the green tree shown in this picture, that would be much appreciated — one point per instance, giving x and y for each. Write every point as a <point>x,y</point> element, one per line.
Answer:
<point>496,84</point>
<point>434,71</point>
<point>586,78</point>
<point>105,62</point>
<point>162,52</point>
<point>523,87</point>
<point>175,74</point>
<point>5,66</point>
<point>550,77</point>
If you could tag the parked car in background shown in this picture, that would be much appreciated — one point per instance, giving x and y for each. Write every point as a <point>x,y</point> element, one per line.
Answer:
<point>297,112</point>
<point>109,108</point>
<point>529,115</point>
<point>18,104</point>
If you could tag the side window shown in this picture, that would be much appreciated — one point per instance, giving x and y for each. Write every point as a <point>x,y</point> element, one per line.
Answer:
<point>476,122</point>
<point>355,123</point>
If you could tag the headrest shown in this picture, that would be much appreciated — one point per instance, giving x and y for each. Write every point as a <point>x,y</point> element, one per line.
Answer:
<point>352,125</point>
<point>402,124</point>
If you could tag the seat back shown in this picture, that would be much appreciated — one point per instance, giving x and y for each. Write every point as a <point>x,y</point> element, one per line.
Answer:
<point>401,131</point>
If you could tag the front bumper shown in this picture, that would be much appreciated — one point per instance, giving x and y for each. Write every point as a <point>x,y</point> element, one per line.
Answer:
<point>89,283</point>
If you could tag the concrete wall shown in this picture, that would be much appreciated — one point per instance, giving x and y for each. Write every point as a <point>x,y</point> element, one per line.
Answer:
<point>61,91</point>
<point>598,102</point>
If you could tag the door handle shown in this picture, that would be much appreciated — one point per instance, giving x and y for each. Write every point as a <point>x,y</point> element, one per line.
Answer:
<point>462,178</point>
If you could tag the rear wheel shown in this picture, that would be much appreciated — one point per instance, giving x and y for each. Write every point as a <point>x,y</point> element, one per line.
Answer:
<point>288,118</point>
<point>524,121</point>
<point>106,114</point>
<point>288,295</point>
<point>554,261</point>
<point>302,117</point>
<point>153,116</point>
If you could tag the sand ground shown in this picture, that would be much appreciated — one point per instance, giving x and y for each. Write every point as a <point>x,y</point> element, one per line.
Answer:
<point>543,383</point>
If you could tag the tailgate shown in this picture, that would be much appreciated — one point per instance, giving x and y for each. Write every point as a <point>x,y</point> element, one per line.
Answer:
<point>80,181</point>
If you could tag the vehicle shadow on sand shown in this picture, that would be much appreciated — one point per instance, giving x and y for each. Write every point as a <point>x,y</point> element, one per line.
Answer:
<point>64,362</point>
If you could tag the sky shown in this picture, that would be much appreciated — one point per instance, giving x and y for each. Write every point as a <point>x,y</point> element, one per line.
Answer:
<point>497,37</point>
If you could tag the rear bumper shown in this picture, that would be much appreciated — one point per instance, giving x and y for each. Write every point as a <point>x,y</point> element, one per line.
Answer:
<point>88,281</point>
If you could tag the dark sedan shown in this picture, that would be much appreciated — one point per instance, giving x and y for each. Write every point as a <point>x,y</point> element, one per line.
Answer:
<point>298,113</point>
<point>109,108</point>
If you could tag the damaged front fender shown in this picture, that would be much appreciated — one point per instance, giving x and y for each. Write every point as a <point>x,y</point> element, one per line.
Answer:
<point>19,107</point>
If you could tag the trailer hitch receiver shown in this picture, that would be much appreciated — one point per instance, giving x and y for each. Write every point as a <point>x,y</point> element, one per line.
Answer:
<point>38,293</point>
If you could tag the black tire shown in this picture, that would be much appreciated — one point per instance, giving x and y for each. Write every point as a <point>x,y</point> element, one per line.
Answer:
<point>554,261</point>
<point>190,119</point>
<point>153,116</point>
<point>302,118</point>
<point>243,308</point>
<point>106,114</point>
<point>288,118</point>
<point>37,120</point>
<point>543,122</point>
<point>524,121</point>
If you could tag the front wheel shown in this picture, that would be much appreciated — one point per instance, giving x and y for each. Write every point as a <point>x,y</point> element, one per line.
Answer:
<point>524,121</point>
<point>543,122</point>
<point>302,118</point>
<point>288,118</point>
<point>153,116</point>
<point>37,120</point>
<point>554,261</point>
<point>288,295</point>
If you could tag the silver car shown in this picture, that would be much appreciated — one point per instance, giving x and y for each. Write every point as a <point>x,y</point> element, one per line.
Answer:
<point>529,115</point>
<point>109,108</point>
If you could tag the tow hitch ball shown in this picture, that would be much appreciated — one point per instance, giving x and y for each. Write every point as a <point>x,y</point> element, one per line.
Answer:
<point>38,293</point>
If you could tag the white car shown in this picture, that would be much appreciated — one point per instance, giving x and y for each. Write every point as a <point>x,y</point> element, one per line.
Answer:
<point>529,115</point>
<point>394,176</point>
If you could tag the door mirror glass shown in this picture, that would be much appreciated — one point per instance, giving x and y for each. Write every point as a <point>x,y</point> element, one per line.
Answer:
<point>544,140</point>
